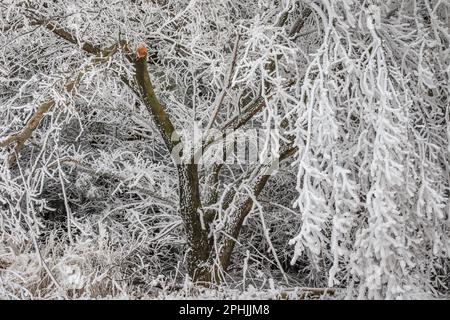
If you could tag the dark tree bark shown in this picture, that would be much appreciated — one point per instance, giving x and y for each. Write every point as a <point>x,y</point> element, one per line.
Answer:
<point>199,246</point>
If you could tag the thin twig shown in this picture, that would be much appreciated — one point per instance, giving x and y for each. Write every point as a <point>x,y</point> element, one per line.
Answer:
<point>226,86</point>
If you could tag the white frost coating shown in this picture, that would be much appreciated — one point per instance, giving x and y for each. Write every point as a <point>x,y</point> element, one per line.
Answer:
<point>361,90</point>
<point>372,181</point>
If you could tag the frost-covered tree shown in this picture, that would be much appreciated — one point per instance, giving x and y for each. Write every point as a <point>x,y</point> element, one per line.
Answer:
<point>101,103</point>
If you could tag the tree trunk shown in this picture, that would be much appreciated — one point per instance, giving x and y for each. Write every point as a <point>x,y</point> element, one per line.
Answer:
<point>199,246</point>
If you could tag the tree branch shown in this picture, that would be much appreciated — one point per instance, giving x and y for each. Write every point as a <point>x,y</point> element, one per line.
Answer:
<point>258,179</point>
<point>159,115</point>
<point>226,85</point>
<point>70,87</point>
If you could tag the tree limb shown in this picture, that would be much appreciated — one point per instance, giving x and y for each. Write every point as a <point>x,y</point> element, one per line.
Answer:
<point>159,115</point>
<point>70,87</point>
<point>244,204</point>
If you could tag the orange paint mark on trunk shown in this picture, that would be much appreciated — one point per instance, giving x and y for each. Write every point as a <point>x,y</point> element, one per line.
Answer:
<point>141,52</point>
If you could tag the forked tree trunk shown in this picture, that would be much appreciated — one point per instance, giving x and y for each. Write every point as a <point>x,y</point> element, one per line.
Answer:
<point>200,252</point>
<point>199,255</point>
